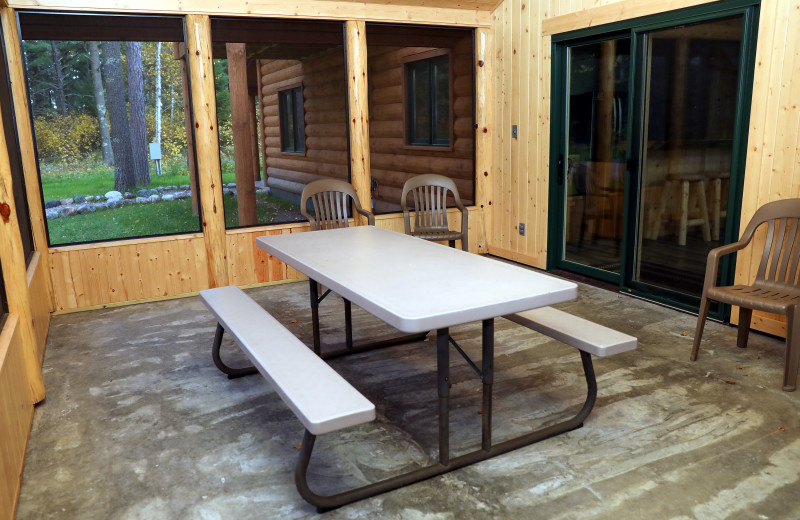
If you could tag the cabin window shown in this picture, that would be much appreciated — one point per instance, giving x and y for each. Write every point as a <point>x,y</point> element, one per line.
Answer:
<point>428,101</point>
<point>110,121</point>
<point>290,103</point>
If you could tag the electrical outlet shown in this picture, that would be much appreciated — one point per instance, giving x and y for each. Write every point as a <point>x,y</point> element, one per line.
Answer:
<point>514,131</point>
<point>522,229</point>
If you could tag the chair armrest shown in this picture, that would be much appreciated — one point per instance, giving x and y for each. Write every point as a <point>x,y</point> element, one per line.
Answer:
<point>712,264</point>
<point>369,215</point>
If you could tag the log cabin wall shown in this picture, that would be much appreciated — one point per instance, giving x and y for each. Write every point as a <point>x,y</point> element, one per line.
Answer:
<point>325,106</point>
<point>522,45</point>
<point>393,161</point>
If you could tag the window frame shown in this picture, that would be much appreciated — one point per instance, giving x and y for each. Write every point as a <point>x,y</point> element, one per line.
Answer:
<point>424,56</point>
<point>300,130</point>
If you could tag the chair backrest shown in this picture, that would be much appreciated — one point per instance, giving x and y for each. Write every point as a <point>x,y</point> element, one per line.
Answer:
<point>780,258</point>
<point>430,192</point>
<point>330,199</point>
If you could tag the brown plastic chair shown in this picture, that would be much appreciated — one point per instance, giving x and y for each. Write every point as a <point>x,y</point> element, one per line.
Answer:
<point>331,201</point>
<point>430,193</point>
<point>775,289</point>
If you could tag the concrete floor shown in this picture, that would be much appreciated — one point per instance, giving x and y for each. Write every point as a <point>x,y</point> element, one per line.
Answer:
<point>139,424</point>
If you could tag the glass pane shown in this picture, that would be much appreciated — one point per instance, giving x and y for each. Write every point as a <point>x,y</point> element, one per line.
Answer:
<point>690,94</point>
<point>441,79</point>
<point>110,121</point>
<point>299,123</point>
<point>420,107</point>
<point>597,123</point>
<point>287,121</point>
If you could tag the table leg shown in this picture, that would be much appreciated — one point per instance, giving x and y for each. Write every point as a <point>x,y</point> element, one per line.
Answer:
<point>443,380</point>
<point>313,290</point>
<point>488,379</point>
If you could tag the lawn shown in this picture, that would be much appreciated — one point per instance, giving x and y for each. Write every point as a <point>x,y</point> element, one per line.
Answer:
<point>158,218</point>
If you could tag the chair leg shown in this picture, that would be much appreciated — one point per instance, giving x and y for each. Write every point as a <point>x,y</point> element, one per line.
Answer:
<point>705,303</point>
<point>792,350</point>
<point>745,316</point>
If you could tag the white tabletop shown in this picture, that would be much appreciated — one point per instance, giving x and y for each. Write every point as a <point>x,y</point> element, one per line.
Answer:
<point>412,284</point>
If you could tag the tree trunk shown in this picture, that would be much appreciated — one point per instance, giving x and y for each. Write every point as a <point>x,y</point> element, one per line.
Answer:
<point>157,138</point>
<point>58,66</point>
<point>100,101</point>
<point>136,102</point>
<point>118,117</point>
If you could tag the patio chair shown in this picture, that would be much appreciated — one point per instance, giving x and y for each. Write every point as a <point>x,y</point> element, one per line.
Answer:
<point>430,194</point>
<point>330,199</point>
<point>775,288</point>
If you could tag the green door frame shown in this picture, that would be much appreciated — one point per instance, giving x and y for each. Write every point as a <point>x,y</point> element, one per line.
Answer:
<point>636,29</point>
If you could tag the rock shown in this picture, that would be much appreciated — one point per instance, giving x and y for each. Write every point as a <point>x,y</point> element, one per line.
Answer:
<point>80,199</point>
<point>50,214</point>
<point>231,184</point>
<point>67,202</point>
<point>154,198</point>
<point>113,195</point>
<point>91,198</point>
<point>68,212</point>
<point>141,200</point>
<point>144,193</point>
<point>168,196</point>
<point>172,188</point>
<point>226,191</point>
<point>52,204</point>
<point>128,195</point>
<point>113,204</point>
<point>185,187</point>
<point>180,195</point>
<point>85,208</point>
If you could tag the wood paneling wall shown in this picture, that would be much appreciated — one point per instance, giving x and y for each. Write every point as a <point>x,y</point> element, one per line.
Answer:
<point>520,174</point>
<point>392,161</point>
<point>325,105</point>
<point>114,272</point>
<point>16,413</point>
<point>39,287</point>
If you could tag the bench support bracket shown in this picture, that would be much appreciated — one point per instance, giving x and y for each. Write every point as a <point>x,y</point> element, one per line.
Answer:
<point>232,373</point>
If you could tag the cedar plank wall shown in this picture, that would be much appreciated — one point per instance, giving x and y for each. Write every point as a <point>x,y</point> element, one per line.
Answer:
<point>522,45</point>
<point>392,162</point>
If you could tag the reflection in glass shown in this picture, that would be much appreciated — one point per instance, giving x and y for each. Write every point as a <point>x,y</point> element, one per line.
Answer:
<point>689,108</point>
<point>597,122</point>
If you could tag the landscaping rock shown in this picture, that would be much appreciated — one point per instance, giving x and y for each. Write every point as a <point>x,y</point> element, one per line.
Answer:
<point>50,214</point>
<point>231,184</point>
<point>180,195</point>
<point>91,198</point>
<point>67,202</point>
<point>154,198</point>
<point>141,200</point>
<point>144,193</point>
<point>68,211</point>
<point>85,208</point>
<point>52,204</point>
<point>185,187</point>
<point>113,204</point>
<point>113,195</point>
<point>168,196</point>
<point>80,199</point>
<point>128,195</point>
<point>226,191</point>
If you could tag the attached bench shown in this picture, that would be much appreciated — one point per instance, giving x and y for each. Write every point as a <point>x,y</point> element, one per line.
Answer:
<point>321,398</point>
<point>585,335</point>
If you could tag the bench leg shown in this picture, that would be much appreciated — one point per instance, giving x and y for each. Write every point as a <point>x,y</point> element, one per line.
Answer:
<point>324,503</point>
<point>232,373</point>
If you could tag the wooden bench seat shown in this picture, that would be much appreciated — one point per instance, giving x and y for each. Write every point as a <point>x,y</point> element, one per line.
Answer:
<point>580,333</point>
<point>317,394</point>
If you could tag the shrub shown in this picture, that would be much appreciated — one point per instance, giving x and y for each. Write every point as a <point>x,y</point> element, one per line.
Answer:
<point>66,138</point>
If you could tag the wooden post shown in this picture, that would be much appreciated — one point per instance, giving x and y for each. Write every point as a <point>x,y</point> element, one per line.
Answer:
<point>201,71</point>
<point>15,275</point>
<point>358,107</point>
<point>484,102</point>
<point>19,93</point>
<point>187,117</point>
<point>242,146</point>
<point>251,98</point>
<point>680,72</point>
<point>604,128</point>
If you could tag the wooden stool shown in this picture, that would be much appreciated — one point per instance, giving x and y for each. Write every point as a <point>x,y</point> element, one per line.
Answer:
<point>684,201</point>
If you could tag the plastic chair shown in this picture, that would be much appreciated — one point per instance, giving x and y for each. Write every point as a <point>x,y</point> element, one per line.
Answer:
<point>331,201</point>
<point>430,193</point>
<point>775,289</point>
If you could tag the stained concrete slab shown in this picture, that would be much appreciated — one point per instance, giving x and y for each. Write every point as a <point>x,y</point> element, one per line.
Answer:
<point>139,424</point>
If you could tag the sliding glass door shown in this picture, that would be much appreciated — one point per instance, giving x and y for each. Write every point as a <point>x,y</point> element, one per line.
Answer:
<point>649,130</point>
